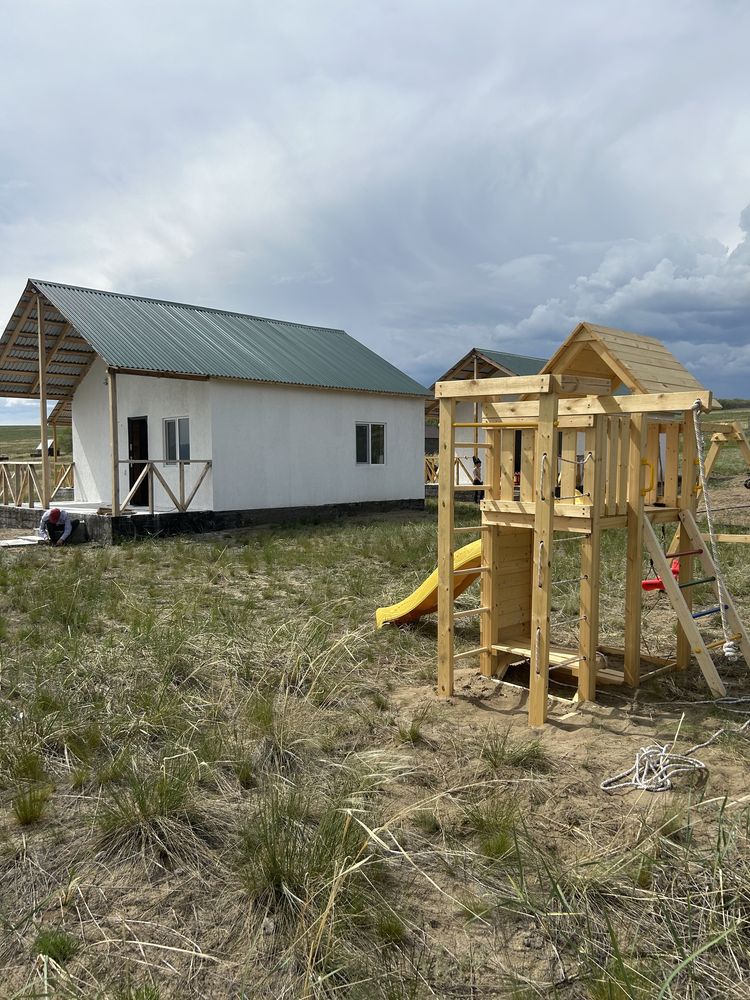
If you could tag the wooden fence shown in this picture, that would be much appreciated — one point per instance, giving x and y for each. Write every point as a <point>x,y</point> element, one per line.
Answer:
<point>20,482</point>
<point>149,470</point>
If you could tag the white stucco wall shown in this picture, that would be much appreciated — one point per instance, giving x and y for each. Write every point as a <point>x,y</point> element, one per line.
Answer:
<point>138,396</point>
<point>271,446</point>
<point>275,446</point>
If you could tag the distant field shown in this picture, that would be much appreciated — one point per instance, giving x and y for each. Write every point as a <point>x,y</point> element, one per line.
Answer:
<point>19,442</point>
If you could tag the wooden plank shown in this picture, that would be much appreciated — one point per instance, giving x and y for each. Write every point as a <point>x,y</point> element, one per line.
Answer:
<point>671,464</point>
<point>545,474</point>
<point>507,455</point>
<point>570,509</point>
<point>656,402</point>
<point>591,569</point>
<point>652,458</point>
<point>53,354</point>
<point>114,442</point>
<point>687,501</point>
<point>507,386</point>
<point>588,465</point>
<point>633,566</point>
<point>447,410</point>
<point>167,487</point>
<point>622,468</point>
<point>489,586</point>
<point>568,466</point>
<point>610,479</point>
<point>42,348</point>
<point>741,539</point>
<point>676,597</point>
<point>16,332</point>
<point>527,465</point>
<point>198,484</point>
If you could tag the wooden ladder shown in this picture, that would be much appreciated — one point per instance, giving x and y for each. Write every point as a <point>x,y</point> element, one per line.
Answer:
<point>688,619</point>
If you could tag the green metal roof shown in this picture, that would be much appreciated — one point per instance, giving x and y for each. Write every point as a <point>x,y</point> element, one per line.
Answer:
<point>155,336</point>
<point>519,364</point>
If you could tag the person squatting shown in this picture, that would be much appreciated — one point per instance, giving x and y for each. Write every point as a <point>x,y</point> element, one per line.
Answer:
<point>57,526</point>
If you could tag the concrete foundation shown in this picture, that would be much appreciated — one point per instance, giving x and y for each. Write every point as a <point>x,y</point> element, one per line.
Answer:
<point>108,530</point>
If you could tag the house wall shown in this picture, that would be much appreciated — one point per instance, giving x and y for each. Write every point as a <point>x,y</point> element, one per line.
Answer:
<point>276,446</point>
<point>138,396</point>
<point>271,446</point>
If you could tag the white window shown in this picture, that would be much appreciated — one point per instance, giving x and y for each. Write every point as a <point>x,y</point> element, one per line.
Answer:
<point>370,441</point>
<point>177,439</point>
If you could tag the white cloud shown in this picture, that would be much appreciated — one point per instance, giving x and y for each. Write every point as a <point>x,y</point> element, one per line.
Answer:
<point>429,176</point>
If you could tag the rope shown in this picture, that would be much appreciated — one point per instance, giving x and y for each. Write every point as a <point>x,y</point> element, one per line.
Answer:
<point>577,461</point>
<point>540,570</point>
<point>655,766</point>
<point>542,466</point>
<point>538,650</point>
<point>729,648</point>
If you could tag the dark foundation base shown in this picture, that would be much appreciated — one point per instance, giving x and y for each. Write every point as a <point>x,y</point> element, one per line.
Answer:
<point>108,530</point>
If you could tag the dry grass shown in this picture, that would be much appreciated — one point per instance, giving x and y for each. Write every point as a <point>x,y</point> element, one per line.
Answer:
<point>238,789</point>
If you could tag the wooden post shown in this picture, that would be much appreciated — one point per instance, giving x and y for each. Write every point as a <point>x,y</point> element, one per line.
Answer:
<point>591,558</point>
<point>545,475</point>
<point>633,569</point>
<point>688,501</point>
<point>41,337</point>
<point>447,409</point>
<point>490,580</point>
<point>114,441</point>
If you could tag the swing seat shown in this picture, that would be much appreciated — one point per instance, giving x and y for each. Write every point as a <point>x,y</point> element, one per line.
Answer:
<point>656,583</point>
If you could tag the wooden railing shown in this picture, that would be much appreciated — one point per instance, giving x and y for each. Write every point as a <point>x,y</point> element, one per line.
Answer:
<point>20,482</point>
<point>431,469</point>
<point>149,470</point>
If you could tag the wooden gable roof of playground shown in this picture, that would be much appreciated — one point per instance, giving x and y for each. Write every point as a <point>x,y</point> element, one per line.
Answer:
<point>639,364</point>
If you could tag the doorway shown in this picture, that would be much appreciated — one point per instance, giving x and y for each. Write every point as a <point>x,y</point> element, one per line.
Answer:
<point>138,455</point>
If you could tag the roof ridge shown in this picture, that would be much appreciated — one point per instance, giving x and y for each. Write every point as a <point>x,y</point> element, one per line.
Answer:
<point>184,305</point>
<point>512,354</point>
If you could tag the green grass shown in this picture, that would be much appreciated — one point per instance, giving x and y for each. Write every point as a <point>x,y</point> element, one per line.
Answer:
<point>242,789</point>
<point>19,442</point>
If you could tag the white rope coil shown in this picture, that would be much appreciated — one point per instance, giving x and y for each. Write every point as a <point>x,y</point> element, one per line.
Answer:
<point>655,766</point>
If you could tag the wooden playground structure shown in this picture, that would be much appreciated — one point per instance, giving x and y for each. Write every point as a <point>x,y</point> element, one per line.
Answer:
<point>590,460</point>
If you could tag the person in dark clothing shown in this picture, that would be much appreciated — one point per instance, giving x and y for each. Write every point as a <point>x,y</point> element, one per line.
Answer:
<point>477,478</point>
<point>57,525</point>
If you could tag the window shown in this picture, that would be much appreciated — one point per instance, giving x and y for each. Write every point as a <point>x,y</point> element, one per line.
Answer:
<point>370,439</point>
<point>177,439</point>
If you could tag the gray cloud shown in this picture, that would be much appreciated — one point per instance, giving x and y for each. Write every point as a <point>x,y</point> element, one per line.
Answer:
<point>428,175</point>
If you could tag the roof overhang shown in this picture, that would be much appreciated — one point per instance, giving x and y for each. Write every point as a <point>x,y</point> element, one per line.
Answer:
<point>473,364</point>
<point>68,356</point>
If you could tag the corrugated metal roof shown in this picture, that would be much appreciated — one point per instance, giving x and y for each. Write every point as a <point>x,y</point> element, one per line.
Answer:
<point>153,335</point>
<point>519,364</point>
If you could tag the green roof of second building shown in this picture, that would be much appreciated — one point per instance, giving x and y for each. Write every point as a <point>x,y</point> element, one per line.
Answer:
<point>157,336</point>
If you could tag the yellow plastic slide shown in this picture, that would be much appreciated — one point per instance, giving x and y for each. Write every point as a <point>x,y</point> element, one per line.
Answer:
<point>424,599</point>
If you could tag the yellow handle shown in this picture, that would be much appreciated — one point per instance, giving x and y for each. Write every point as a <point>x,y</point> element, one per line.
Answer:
<point>647,489</point>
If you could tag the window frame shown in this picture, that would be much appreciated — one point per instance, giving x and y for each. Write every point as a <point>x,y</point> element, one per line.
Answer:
<point>177,424</point>
<point>369,424</point>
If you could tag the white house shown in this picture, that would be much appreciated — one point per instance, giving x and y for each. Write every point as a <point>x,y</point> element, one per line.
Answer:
<point>177,407</point>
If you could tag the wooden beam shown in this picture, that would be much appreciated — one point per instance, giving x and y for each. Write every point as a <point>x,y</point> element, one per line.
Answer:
<point>42,380</point>
<point>591,571</point>
<point>52,354</point>
<point>16,331</point>
<point>515,385</point>
<point>445,549</point>
<point>633,574</point>
<point>114,441</point>
<point>655,402</point>
<point>545,476</point>
<point>687,501</point>
<point>681,609</point>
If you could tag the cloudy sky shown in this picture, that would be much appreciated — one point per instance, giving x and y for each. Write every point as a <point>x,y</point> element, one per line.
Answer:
<point>429,175</point>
